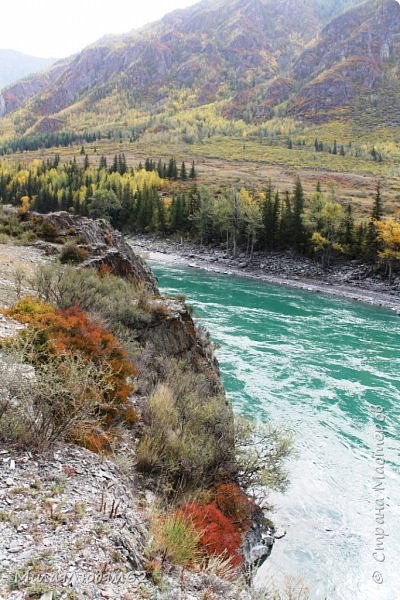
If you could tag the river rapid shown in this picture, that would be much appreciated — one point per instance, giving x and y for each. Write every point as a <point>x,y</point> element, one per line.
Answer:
<point>328,369</point>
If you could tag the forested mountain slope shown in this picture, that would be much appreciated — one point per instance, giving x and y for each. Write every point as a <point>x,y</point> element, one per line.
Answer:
<point>256,59</point>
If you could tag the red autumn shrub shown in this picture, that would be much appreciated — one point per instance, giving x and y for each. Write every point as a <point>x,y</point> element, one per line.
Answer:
<point>235,505</point>
<point>219,536</point>
<point>104,270</point>
<point>71,331</point>
<point>93,439</point>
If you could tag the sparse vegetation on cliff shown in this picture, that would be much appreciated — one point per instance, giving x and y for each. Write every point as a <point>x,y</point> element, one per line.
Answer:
<point>103,362</point>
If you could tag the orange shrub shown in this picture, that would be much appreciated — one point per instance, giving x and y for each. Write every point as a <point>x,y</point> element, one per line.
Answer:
<point>104,270</point>
<point>219,536</point>
<point>130,416</point>
<point>94,440</point>
<point>70,331</point>
<point>235,505</point>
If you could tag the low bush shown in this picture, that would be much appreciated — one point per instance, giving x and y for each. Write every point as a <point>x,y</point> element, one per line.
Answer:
<point>73,254</point>
<point>182,417</point>
<point>93,438</point>
<point>15,230</point>
<point>218,535</point>
<point>261,454</point>
<point>110,298</point>
<point>48,231</point>
<point>70,331</point>
<point>176,538</point>
<point>49,403</point>
<point>235,505</point>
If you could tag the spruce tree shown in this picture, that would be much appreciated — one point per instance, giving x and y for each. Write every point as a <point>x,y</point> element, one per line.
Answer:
<point>299,231</point>
<point>377,210</point>
<point>347,237</point>
<point>371,241</point>
<point>268,218</point>
<point>183,172</point>
<point>162,219</point>
<point>160,169</point>
<point>286,222</point>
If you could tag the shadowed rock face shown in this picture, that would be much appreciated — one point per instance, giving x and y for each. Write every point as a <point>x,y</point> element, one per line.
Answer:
<point>107,246</point>
<point>350,59</point>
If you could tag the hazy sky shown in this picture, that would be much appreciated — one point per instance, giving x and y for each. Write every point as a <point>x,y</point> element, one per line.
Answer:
<point>57,29</point>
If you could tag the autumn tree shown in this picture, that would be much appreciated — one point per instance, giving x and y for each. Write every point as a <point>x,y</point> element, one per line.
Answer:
<point>202,217</point>
<point>325,220</point>
<point>388,234</point>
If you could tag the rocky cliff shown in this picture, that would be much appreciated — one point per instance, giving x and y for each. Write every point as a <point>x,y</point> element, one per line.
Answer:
<point>106,246</point>
<point>353,57</point>
<point>71,520</point>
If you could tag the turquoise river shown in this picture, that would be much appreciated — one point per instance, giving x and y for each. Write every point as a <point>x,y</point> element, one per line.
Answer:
<point>329,369</point>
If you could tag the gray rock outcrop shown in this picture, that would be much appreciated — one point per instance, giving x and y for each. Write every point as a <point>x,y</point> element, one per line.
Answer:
<point>106,246</point>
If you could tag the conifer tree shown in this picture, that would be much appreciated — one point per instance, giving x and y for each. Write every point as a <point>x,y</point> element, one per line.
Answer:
<point>193,173</point>
<point>161,169</point>
<point>347,230</point>
<point>268,218</point>
<point>371,242</point>
<point>172,172</point>
<point>162,218</point>
<point>299,231</point>
<point>183,172</point>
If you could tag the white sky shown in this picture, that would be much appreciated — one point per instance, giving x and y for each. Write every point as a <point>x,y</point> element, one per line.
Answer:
<point>48,28</point>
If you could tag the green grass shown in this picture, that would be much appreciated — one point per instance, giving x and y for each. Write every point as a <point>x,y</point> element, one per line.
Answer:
<point>234,149</point>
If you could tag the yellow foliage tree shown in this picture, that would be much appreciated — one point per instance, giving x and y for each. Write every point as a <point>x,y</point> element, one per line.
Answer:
<point>388,234</point>
<point>25,205</point>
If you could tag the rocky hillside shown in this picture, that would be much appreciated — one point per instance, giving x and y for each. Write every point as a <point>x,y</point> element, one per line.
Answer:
<point>92,499</point>
<point>250,55</point>
<point>355,59</point>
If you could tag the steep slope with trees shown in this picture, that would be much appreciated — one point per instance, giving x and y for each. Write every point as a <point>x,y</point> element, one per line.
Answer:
<point>355,59</point>
<point>249,55</point>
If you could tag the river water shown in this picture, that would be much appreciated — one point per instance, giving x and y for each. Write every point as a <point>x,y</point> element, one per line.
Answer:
<point>329,369</point>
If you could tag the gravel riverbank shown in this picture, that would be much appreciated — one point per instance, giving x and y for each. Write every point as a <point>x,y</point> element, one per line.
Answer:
<point>354,281</point>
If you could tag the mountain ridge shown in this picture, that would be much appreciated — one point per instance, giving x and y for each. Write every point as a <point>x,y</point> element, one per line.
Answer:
<point>300,58</point>
<point>15,65</point>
